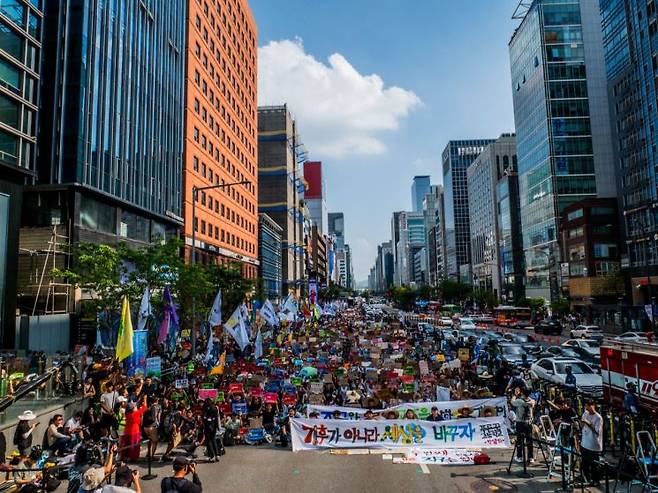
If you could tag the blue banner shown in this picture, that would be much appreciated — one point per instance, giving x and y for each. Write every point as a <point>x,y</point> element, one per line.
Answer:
<point>136,363</point>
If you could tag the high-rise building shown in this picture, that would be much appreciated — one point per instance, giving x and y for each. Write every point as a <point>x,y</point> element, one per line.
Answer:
<point>387,266</point>
<point>483,176</point>
<point>269,256</point>
<point>562,125</point>
<point>411,229</point>
<point>315,194</point>
<point>433,217</point>
<point>395,239</point>
<point>280,187</point>
<point>629,40</point>
<point>220,133</point>
<point>337,228</point>
<point>457,157</point>
<point>20,68</point>
<point>419,188</point>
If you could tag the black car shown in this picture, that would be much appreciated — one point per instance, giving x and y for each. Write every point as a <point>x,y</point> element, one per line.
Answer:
<point>549,327</point>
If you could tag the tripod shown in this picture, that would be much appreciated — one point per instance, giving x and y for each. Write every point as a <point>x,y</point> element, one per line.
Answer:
<point>522,435</point>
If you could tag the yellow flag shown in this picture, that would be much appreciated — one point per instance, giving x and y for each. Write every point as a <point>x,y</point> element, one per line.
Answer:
<point>125,337</point>
<point>219,369</point>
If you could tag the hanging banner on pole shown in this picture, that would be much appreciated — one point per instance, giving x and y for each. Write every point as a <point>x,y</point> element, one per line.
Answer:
<point>154,366</point>
<point>136,362</point>
<point>313,434</point>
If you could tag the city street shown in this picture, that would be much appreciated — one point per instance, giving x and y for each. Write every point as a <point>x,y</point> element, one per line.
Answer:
<point>253,469</point>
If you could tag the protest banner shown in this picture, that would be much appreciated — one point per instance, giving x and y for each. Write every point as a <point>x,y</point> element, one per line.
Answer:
<point>311,434</point>
<point>446,456</point>
<point>136,362</point>
<point>447,409</point>
<point>154,366</point>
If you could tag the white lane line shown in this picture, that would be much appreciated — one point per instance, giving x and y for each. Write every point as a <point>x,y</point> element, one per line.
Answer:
<point>424,468</point>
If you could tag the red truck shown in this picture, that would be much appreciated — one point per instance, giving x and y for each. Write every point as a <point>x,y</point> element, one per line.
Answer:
<point>630,362</point>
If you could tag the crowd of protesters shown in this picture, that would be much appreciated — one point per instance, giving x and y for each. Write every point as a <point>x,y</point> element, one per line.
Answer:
<point>198,406</point>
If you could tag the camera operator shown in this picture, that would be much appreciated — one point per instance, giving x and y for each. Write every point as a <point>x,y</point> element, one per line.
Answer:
<point>523,406</point>
<point>178,483</point>
<point>591,443</point>
<point>94,477</point>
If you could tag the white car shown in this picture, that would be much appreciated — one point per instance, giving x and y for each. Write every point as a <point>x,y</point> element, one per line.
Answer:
<point>587,332</point>
<point>446,321</point>
<point>632,337</point>
<point>554,370</point>
<point>589,346</point>
<point>466,324</point>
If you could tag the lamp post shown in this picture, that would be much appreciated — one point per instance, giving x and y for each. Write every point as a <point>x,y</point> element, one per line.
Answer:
<point>195,194</point>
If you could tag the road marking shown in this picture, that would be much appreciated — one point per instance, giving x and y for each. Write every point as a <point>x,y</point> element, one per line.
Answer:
<point>424,468</point>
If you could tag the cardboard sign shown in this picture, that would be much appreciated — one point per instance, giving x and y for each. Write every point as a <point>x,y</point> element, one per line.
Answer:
<point>256,392</point>
<point>289,399</point>
<point>220,396</point>
<point>464,354</point>
<point>181,383</point>
<point>317,387</point>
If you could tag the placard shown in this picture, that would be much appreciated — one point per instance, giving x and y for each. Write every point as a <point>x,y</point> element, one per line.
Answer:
<point>207,394</point>
<point>239,408</point>
<point>316,387</point>
<point>181,383</point>
<point>271,398</point>
<point>446,456</point>
<point>154,366</point>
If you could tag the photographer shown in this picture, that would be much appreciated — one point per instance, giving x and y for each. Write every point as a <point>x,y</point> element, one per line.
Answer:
<point>178,483</point>
<point>94,477</point>
<point>523,406</point>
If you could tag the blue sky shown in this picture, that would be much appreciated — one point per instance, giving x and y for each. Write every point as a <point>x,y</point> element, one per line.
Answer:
<point>442,72</point>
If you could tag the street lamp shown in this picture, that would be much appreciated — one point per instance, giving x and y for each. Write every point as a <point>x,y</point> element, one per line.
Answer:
<point>195,194</point>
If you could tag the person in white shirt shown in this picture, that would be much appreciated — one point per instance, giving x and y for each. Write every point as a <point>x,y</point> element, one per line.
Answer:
<point>591,443</point>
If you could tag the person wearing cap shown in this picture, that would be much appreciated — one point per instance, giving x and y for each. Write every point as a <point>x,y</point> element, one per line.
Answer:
<point>23,433</point>
<point>178,483</point>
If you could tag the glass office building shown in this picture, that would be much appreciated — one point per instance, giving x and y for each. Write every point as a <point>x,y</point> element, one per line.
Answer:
<point>562,125</point>
<point>457,157</point>
<point>630,40</point>
<point>270,244</point>
<point>20,55</point>
<point>112,119</point>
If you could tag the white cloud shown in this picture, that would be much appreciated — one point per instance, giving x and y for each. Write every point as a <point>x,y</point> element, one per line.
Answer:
<point>340,111</point>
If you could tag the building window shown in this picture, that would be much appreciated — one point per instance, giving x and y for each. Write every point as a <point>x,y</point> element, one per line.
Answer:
<point>575,214</point>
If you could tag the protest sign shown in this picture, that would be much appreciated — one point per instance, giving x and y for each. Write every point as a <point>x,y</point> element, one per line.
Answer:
<point>181,383</point>
<point>446,456</point>
<point>207,394</point>
<point>447,409</point>
<point>239,408</point>
<point>154,366</point>
<point>310,434</point>
<point>316,387</point>
<point>136,363</point>
<point>271,398</point>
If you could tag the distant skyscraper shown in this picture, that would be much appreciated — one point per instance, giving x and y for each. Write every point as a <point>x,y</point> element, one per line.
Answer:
<point>562,125</point>
<point>280,154</point>
<point>337,228</point>
<point>457,157</point>
<point>419,188</point>
<point>20,69</point>
<point>315,194</point>
<point>483,175</point>
<point>629,39</point>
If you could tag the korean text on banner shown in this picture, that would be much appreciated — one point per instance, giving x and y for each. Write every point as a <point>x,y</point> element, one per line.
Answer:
<point>312,434</point>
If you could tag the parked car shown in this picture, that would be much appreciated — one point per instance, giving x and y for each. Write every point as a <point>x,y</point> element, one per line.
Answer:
<point>590,346</point>
<point>632,337</point>
<point>553,351</point>
<point>587,332</point>
<point>513,354</point>
<point>465,323</point>
<point>549,327</point>
<point>554,370</point>
<point>446,321</point>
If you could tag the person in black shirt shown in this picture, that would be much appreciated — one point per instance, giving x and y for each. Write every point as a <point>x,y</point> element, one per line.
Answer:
<point>178,483</point>
<point>268,413</point>
<point>434,415</point>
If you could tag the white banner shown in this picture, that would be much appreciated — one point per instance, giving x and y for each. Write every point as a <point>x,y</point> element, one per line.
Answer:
<point>446,456</point>
<point>312,434</point>
<point>447,409</point>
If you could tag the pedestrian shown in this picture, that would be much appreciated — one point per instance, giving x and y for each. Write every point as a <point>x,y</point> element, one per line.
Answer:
<point>130,440</point>
<point>591,444</point>
<point>569,379</point>
<point>210,416</point>
<point>523,406</point>
<point>178,483</point>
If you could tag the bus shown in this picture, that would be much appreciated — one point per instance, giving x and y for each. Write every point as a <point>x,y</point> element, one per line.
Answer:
<point>512,316</point>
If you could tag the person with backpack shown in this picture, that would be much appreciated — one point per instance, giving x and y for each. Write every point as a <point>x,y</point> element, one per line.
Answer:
<point>178,483</point>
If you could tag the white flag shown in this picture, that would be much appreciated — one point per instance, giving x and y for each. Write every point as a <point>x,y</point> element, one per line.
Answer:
<point>268,314</point>
<point>235,326</point>
<point>215,317</point>
<point>144,309</point>
<point>258,350</point>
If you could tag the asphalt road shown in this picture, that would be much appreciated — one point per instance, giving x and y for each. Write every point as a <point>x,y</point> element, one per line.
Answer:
<point>267,469</point>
